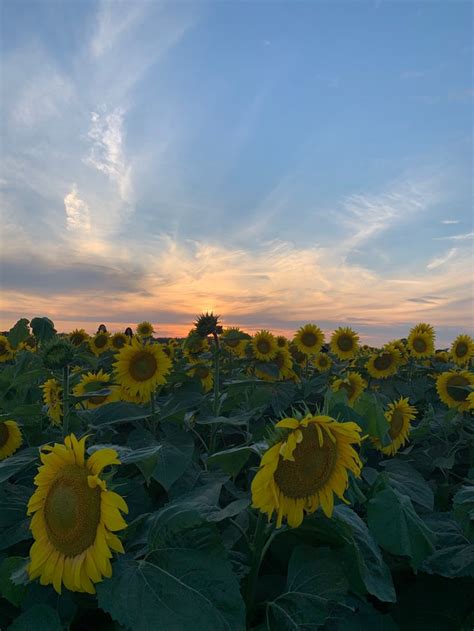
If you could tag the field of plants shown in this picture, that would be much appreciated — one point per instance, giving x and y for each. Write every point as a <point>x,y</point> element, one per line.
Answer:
<point>224,481</point>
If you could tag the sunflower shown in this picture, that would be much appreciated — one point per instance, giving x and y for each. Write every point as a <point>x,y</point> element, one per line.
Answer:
<point>10,438</point>
<point>6,351</point>
<point>309,339</point>
<point>441,357</point>
<point>462,349</point>
<point>264,345</point>
<point>193,346</point>
<point>384,363</point>
<point>452,388</point>
<point>53,399</point>
<point>322,362</point>
<point>118,341</point>
<point>399,414</point>
<point>470,400</point>
<point>74,518</point>
<point>94,383</point>
<point>78,336</point>
<point>303,471</point>
<point>281,341</point>
<point>125,395</point>
<point>204,374</point>
<point>298,357</point>
<point>99,343</point>
<point>29,344</point>
<point>141,367</point>
<point>235,341</point>
<point>283,362</point>
<point>344,343</point>
<point>145,329</point>
<point>352,383</point>
<point>421,341</point>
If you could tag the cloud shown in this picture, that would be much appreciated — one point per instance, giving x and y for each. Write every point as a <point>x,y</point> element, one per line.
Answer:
<point>456,237</point>
<point>450,221</point>
<point>437,262</point>
<point>114,20</point>
<point>77,212</point>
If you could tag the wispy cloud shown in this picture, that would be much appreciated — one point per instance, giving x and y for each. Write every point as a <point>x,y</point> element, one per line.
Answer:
<point>441,260</point>
<point>450,221</point>
<point>77,212</point>
<point>456,237</point>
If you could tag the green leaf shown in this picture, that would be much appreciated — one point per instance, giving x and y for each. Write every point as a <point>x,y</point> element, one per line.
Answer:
<point>363,618</point>
<point>463,506</point>
<point>43,329</point>
<point>231,510</point>
<point>13,593</point>
<point>175,456</point>
<point>371,412</point>
<point>397,528</point>
<point>14,524</point>
<point>406,480</point>
<point>231,460</point>
<point>451,562</point>
<point>315,577</point>
<point>268,368</point>
<point>39,618</point>
<point>17,462</point>
<point>112,413</point>
<point>186,583</point>
<point>19,333</point>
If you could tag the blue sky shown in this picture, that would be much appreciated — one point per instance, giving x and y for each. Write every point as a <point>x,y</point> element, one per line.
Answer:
<point>277,162</point>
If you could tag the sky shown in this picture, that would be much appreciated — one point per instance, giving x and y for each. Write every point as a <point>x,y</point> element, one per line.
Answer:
<point>277,163</point>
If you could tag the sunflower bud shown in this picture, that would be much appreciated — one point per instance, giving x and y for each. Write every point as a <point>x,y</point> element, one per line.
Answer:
<point>207,324</point>
<point>58,353</point>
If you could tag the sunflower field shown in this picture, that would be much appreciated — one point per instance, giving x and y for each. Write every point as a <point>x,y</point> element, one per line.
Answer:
<point>225,481</point>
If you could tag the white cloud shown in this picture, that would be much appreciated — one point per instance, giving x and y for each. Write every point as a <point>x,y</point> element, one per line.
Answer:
<point>114,19</point>
<point>456,237</point>
<point>450,221</point>
<point>77,212</point>
<point>437,262</point>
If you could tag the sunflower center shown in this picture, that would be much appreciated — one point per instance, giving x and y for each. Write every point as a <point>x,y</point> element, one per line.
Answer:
<point>263,346</point>
<point>4,434</point>
<point>72,511</point>
<point>309,339</point>
<point>323,361</point>
<point>461,349</point>
<point>119,342</point>
<point>396,424</point>
<point>454,389</point>
<point>232,342</point>
<point>382,362</point>
<point>345,343</point>
<point>143,366</point>
<point>100,341</point>
<point>312,467</point>
<point>419,344</point>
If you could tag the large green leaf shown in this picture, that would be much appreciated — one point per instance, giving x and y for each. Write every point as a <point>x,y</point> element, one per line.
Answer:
<point>315,578</point>
<point>175,455</point>
<point>14,464</point>
<point>19,332</point>
<point>43,329</point>
<point>114,413</point>
<point>231,460</point>
<point>371,412</point>
<point>454,555</point>
<point>406,480</point>
<point>185,582</point>
<point>14,524</point>
<point>463,505</point>
<point>13,593</point>
<point>39,618</point>
<point>397,528</point>
<point>362,617</point>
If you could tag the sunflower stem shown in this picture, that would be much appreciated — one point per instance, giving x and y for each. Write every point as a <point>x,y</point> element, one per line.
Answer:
<point>261,544</point>
<point>65,400</point>
<point>212,443</point>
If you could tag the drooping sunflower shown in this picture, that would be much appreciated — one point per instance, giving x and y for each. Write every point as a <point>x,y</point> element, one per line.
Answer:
<point>145,329</point>
<point>322,362</point>
<point>95,382</point>
<point>6,351</point>
<point>29,344</point>
<point>78,336</point>
<point>399,414</point>
<point>309,339</point>
<point>74,517</point>
<point>452,388</point>
<point>204,374</point>
<point>344,343</point>
<point>53,399</point>
<point>353,384</point>
<point>281,341</point>
<point>462,349</point>
<point>100,343</point>
<point>303,471</point>
<point>384,363</point>
<point>118,341</point>
<point>421,341</point>
<point>235,341</point>
<point>10,438</point>
<point>264,345</point>
<point>141,367</point>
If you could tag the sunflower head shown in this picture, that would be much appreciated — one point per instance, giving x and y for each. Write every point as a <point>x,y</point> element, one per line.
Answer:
<point>454,387</point>
<point>384,363</point>
<point>207,324</point>
<point>6,351</point>
<point>118,341</point>
<point>399,414</point>
<point>441,357</point>
<point>100,343</point>
<point>264,345</point>
<point>10,438</point>
<point>298,356</point>
<point>95,383</point>
<point>281,341</point>
<point>74,518</point>
<point>322,362</point>
<point>462,349</point>
<point>145,329</point>
<point>305,469</point>
<point>421,341</point>
<point>140,367</point>
<point>353,384</point>
<point>235,341</point>
<point>53,400</point>
<point>344,343</point>
<point>58,353</point>
<point>78,336</point>
<point>309,339</point>
<point>203,372</point>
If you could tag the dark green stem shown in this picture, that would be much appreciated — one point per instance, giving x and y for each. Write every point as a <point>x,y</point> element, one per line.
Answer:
<point>65,401</point>
<point>212,444</point>
<point>260,545</point>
